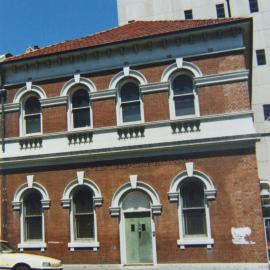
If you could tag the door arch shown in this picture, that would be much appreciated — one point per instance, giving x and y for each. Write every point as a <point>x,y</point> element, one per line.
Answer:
<point>135,207</point>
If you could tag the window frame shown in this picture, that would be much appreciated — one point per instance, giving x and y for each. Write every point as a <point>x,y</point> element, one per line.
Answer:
<point>23,129</point>
<point>173,115</point>
<point>193,240</point>
<point>70,119</point>
<point>218,8</point>
<point>35,243</point>
<point>187,13</point>
<point>253,4</point>
<point>261,53</point>
<point>119,103</point>
<point>75,232</point>
<point>82,242</point>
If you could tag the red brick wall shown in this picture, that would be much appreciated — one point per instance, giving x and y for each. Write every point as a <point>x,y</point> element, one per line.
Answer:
<point>221,64</point>
<point>54,119</point>
<point>231,97</point>
<point>237,205</point>
<point>12,124</point>
<point>156,106</point>
<point>104,113</point>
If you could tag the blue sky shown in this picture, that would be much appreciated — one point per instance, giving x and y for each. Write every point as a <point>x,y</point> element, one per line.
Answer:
<point>26,23</point>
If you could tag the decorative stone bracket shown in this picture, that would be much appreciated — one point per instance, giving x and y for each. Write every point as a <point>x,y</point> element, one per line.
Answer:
<point>30,143</point>
<point>186,126</point>
<point>130,132</point>
<point>79,138</point>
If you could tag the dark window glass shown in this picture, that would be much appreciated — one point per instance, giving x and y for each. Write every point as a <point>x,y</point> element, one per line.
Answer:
<point>33,216</point>
<point>81,109</point>
<point>32,115</point>
<point>253,6</point>
<point>131,112</point>
<point>192,194</point>
<point>261,60</point>
<point>80,99</point>
<point>266,110</point>
<point>182,84</point>
<point>32,105</point>
<point>130,92</point>
<point>83,214</point>
<point>188,14</point>
<point>220,11</point>
<point>130,102</point>
<point>184,105</point>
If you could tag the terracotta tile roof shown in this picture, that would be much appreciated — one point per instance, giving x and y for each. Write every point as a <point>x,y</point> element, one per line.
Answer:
<point>133,30</point>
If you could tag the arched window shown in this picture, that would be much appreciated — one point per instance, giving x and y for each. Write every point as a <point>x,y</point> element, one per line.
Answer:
<point>32,216</point>
<point>183,95</point>
<point>83,214</point>
<point>80,109</point>
<point>32,115</point>
<point>130,102</point>
<point>193,208</point>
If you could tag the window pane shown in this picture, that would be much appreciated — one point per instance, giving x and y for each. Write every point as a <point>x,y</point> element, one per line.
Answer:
<point>84,226</point>
<point>81,118</point>
<point>80,99</point>
<point>131,112</point>
<point>184,105</point>
<point>32,203</point>
<point>32,105</point>
<point>220,11</point>
<point>266,110</point>
<point>33,228</point>
<point>130,91</point>
<point>182,84</point>
<point>261,60</point>
<point>83,201</point>
<point>194,222</point>
<point>188,14</point>
<point>192,194</point>
<point>32,123</point>
<point>253,5</point>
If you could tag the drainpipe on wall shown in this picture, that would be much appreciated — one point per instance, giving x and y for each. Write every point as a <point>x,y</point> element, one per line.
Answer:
<point>2,97</point>
<point>229,8</point>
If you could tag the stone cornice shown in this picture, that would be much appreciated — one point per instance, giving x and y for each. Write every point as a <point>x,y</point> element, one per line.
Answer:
<point>242,75</point>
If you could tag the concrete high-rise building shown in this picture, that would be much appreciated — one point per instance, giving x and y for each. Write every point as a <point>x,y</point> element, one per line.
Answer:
<point>201,9</point>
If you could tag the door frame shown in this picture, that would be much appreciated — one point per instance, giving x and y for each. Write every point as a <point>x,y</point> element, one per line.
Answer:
<point>123,237</point>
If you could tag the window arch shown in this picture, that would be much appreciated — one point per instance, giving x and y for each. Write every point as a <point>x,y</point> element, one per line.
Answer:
<point>130,106</point>
<point>183,96</point>
<point>192,191</point>
<point>80,113</point>
<point>31,115</point>
<point>82,197</point>
<point>31,199</point>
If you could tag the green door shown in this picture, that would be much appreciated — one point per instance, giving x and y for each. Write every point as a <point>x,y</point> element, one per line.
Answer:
<point>138,231</point>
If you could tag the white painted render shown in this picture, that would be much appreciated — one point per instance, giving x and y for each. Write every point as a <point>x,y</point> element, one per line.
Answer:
<point>203,9</point>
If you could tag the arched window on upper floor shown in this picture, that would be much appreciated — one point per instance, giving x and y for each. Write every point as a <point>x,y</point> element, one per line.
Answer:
<point>31,115</point>
<point>130,107</point>
<point>183,97</point>
<point>80,112</point>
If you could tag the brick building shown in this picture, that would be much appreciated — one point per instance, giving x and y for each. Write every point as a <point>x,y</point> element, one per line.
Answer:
<point>134,146</point>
